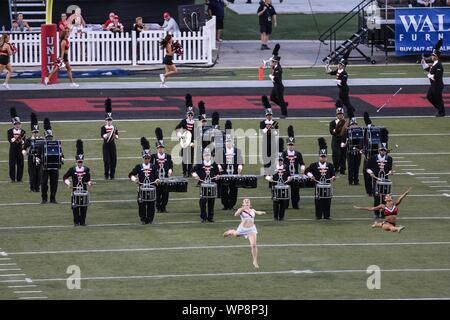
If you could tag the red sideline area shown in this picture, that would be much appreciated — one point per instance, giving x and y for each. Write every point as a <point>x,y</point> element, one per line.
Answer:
<point>229,102</point>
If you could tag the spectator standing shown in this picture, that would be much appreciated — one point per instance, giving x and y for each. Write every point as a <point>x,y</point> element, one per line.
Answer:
<point>76,21</point>
<point>110,19</point>
<point>115,26</point>
<point>217,8</point>
<point>425,3</point>
<point>267,19</point>
<point>22,24</point>
<point>170,25</point>
<point>63,24</point>
<point>139,26</point>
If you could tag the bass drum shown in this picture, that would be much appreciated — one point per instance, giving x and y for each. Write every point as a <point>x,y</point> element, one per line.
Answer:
<point>52,155</point>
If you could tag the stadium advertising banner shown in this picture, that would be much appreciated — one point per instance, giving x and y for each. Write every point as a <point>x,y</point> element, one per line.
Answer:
<point>418,29</point>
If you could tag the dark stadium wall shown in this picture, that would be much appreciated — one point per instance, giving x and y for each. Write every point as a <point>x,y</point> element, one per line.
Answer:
<point>4,15</point>
<point>96,11</point>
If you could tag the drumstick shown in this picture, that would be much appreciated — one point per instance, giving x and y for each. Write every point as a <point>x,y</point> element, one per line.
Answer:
<point>389,100</point>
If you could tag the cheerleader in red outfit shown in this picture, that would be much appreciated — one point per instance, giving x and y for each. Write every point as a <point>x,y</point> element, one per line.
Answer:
<point>390,213</point>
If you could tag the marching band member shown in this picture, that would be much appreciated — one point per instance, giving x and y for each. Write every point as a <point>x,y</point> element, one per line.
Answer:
<point>367,177</point>
<point>247,227</point>
<point>232,164</point>
<point>337,127</point>
<point>63,60</point>
<point>187,124</point>
<point>269,128</point>
<point>379,166</point>
<point>6,50</point>
<point>169,66</point>
<point>277,94</point>
<point>81,179</point>
<point>353,154</point>
<point>16,139</point>
<point>390,210</point>
<point>322,170</point>
<point>281,175</point>
<point>202,125</point>
<point>163,162</point>
<point>204,171</point>
<point>49,173</point>
<point>30,149</point>
<point>435,74</point>
<point>109,134</point>
<point>141,173</point>
<point>341,81</point>
<point>293,160</point>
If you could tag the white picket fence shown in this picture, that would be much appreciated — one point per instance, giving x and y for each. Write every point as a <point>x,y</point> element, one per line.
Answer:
<point>107,48</point>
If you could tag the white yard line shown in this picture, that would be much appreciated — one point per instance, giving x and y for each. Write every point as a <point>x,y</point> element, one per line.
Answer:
<point>8,264</point>
<point>32,298</point>
<point>103,225</point>
<point>24,286</point>
<point>31,291</point>
<point>287,245</point>
<point>15,269</point>
<point>232,274</point>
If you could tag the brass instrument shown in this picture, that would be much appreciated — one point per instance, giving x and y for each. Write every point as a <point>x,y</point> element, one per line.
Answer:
<point>341,127</point>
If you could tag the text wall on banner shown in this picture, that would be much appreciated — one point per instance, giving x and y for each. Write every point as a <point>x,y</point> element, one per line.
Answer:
<point>418,29</point>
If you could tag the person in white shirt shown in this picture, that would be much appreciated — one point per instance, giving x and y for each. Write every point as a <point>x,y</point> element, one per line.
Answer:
<point>425,3</point>
<point>170,25</point>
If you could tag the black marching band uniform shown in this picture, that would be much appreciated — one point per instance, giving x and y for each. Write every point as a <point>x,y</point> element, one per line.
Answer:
<point>367,177</point>
<point>202,128</point>
<point>317,170</point>
<point>163,162</point>
<point>30,149</point>
<point>293,160</point>
<point>49,173</point>
<point>277,94</point>
<point>188,125</point>
<point>16,139</point>
<point>354,150</point>
<point>435,74</point>
<point>269,128</point>
<point>379,166</point>
<point>341,81</point>
<point>81,179</point>
<point>337,127</point>
<point>202,171</point>
<point>232,164</point>
<point>109,133</point>
<point>145,171</point>
<point>281,175</point>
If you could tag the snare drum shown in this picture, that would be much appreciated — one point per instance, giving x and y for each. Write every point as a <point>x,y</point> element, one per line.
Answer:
<point>233,180</point>
<point>52,155</point>
<point>249,181</point>
<point>324,191</point>
<point>383,186</point>
<point>146,193</point>
<point>208,190</point>
<point>80,198</point>
<point>174,184</point>
<point>281,192</point>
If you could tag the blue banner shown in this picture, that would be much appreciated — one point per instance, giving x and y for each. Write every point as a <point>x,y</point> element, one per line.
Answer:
<point>418,29</point>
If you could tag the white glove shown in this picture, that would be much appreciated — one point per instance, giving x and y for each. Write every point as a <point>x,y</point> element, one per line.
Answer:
<point>13,139</point>
<point>116,136</point>
<point>342,145</point>
<point>89,183</point>
<point>240,167</point>
<point>24,152</point>
<point>271,77</point>
<point>369,171</point>
<point>424,64</point>
<point>105,136</point>
<point>269,178</point>
<point>327,68</point>
<point>133,178</point>
<point>67,182</point>
<point>430,76</point>
<point>179,134</point>
<point>169,173</point>
<point>338,82</point>
<point>38,161</point>
<point>220,168</point>
<point>310,175</point>
<point>265,130</point>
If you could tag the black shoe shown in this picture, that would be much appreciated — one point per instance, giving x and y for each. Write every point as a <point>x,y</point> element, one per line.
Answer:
<point>440,115</point>
<point>282,116</point>
<point>203,220</point>
<point>83,224</point>
<point>111,177</point>
<point>43,201</point>
<point>328,218</point>
<point>76,224</point>
<point>143,222</point>
<point>356,183</point>
<point>54,201</point>
<point>224,208</point>
<point>317,218</point>
<point>106,177</point>
<point>370,194</point>
<point>342,172</point>
<point>210,220</point>
<point>296,207</point>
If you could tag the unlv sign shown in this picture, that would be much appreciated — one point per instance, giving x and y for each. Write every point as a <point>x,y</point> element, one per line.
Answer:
<point>49,48</point>
<point>418,29</point>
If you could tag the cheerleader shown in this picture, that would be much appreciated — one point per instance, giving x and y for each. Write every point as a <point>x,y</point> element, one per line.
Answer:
<point>169,66</point>
<point>64,48</point>
<point>390,213</point>
<point>247,227</point>
<point>6,50</point>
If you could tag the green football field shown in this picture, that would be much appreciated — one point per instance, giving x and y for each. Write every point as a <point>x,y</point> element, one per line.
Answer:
<point>177,257</point>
